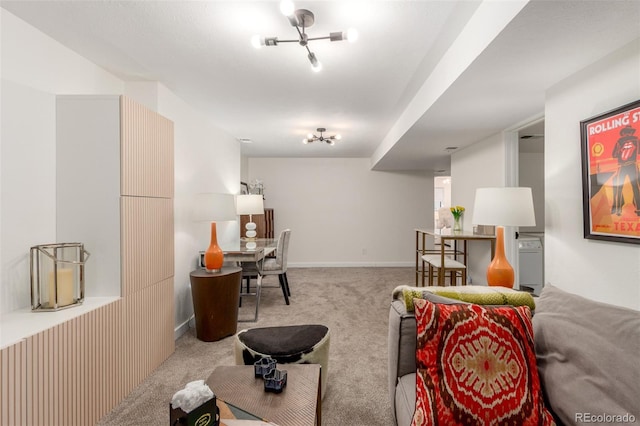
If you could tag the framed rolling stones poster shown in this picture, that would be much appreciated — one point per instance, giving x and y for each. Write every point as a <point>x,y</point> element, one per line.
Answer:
<point>611,175</point>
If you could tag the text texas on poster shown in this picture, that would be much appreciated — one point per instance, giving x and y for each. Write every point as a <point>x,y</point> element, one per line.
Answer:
<point>610,172</point>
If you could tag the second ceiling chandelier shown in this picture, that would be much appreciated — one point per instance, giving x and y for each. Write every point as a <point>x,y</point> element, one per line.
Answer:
<point>331,140</point>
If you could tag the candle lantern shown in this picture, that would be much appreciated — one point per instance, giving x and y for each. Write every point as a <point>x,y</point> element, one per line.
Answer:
<point>57,276</point>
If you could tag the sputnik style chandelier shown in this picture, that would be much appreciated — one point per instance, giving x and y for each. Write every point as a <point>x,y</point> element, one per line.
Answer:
<point>302,19</point>
<point>331,140</point>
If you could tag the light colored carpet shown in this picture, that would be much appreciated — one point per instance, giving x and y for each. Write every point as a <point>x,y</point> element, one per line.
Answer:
<point>352,302</point>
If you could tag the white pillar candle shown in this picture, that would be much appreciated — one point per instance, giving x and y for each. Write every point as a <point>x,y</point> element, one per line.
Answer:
<point>65,288</point>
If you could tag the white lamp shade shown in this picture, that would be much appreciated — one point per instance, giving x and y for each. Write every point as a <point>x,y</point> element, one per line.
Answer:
<point>249,204</point>
<point>214,207</point>
<point>512,206</point>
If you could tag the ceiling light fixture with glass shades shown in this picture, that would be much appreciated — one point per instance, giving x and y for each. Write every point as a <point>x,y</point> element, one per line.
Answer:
<point>302,19</point>
<point>331,140</point>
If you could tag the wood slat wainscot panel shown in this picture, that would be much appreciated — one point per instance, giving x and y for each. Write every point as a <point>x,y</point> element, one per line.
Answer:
<point>13,409</point>
<point>149,343</point>
<point>69,374</point>
<point>147,242</point>
<point>146,151</point>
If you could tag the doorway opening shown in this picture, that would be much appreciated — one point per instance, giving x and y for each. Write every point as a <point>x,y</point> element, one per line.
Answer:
<point>530,243</point>
<point>442,197</point>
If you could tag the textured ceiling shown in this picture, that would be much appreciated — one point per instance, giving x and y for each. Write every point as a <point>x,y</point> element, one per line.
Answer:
<point>201,51</point>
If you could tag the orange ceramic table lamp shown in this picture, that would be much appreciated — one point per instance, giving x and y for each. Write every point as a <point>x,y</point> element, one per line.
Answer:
<point>511,206</point>
<point>218,207</point>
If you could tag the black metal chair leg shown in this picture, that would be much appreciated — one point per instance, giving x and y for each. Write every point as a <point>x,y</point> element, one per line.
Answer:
<point>248,281</point>
<point>286,283</point>
<point>284,288</point>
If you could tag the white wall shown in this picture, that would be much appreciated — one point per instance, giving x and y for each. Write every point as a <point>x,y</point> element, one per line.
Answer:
<point>28,186</point>
<point>244,169</point>
<point>29,85</point>
<point>605,271</point>
<point>341,213</point>
<point>477,166</point>
<point>206,158</point>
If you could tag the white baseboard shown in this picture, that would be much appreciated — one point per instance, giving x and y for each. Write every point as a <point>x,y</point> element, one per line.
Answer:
<point>351,265</point>
<point>182,328</point>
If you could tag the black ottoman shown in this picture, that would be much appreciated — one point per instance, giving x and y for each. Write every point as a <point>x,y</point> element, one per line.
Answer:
<point>294,344</point>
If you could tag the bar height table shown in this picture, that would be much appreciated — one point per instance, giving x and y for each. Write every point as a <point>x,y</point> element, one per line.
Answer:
<point>444,235</point>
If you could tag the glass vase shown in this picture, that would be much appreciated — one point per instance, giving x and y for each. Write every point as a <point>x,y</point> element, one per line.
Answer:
<point>457,224</point>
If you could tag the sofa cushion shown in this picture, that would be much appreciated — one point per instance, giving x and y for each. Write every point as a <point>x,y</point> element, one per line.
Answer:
<point>402,351</point>
<point>405,399</point>
<point>476,365</point>
<point>587,356</point>
<point>478,294</point>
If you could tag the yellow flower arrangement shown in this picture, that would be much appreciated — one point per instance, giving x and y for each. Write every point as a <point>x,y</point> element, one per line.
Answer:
<point>457,211</point>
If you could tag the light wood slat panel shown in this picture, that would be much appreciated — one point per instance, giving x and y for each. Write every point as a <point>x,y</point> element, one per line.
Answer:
<point>167,159</point>
<point>70,374</point>
<point>149,336</point>
<point>164,336</point>
<point>147,242</point>
<point>21,380</point>
<point>62,373</point>
<point>146,151</point>
<point>5,401</point>
<point>13,371</point>
<point>83,367</point>
<point>51,372</point>
<point>31,391</point>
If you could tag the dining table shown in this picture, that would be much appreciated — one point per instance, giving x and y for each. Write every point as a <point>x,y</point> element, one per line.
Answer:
<point>249,254</point>
<point>248,250</point>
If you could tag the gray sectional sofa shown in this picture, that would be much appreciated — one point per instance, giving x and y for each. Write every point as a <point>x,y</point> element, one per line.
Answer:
<point>588,356</point>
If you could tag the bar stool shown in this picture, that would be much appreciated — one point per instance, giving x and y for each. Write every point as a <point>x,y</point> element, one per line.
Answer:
<point>450,265</point>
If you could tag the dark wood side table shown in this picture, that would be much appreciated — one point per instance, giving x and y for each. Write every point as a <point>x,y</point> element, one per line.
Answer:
<point>216,297</point>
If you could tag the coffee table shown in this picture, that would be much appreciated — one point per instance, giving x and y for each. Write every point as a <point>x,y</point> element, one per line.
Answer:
<point>299,403</point>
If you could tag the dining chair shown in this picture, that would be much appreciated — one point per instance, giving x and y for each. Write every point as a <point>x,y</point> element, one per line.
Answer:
<point>278,265</point>
<point>250,270</point>
<point>445,218</point>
